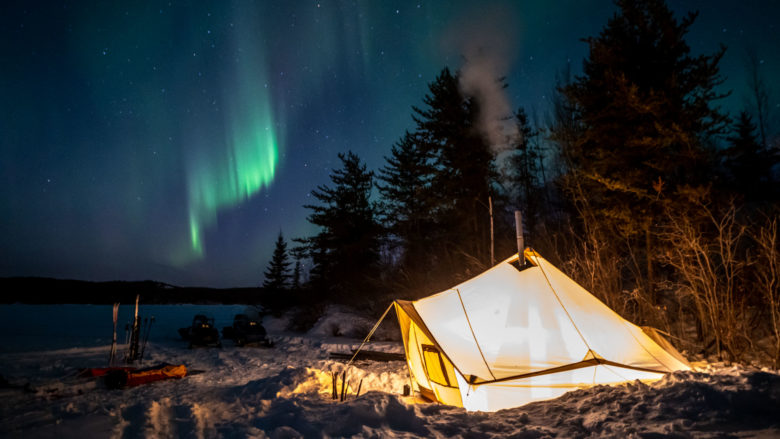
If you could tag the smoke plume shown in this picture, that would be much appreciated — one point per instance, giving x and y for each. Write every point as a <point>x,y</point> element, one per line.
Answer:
<point>486,43</point>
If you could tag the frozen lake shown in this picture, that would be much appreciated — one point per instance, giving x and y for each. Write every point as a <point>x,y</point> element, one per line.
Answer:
<point>26,328</point>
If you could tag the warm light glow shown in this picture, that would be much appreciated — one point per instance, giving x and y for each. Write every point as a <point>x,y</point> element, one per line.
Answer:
<point>506,323</point>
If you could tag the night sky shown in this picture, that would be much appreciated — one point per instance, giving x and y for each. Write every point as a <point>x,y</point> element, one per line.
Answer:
<point>174,140</point>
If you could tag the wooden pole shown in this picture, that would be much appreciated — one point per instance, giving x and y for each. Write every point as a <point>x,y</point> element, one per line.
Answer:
<point>359,386</point>
<point>343,384</point>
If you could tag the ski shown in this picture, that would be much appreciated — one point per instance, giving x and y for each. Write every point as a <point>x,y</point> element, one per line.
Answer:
<point>112,354</point>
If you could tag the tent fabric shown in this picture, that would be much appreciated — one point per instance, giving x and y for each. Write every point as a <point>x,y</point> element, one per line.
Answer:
<point>513,336</point>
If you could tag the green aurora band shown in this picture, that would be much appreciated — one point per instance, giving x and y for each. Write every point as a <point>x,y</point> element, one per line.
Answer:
<point>252,157</point>
<point>221,177</point>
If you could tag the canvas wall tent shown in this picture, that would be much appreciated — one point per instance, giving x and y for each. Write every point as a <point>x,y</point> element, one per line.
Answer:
<point>509,337</point>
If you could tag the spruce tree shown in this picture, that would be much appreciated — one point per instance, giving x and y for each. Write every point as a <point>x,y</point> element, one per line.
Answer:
<point>296,276</point>
<point>277,275</point>
<point>407,204</point>
<point>644,109</point>
<point>345,251</point>
<point>526,171</point>
<point>750,164</point>
<point>464,171</point>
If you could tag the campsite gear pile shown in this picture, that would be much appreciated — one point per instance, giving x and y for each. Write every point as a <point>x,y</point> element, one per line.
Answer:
<point>246,332</point>
<point>201,333</point>
<point>515,334</point>
<point>136,336</point>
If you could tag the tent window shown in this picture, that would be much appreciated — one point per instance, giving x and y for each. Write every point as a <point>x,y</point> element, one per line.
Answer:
<point>436,367</point>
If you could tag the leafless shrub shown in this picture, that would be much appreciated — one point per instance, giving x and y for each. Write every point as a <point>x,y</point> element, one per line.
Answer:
<point>766,269</point>
<point>596,266</point>
<point>703,249</point>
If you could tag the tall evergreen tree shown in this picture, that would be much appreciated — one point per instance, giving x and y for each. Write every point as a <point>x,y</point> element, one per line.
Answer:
<point>277,275</point>
<point>447,128</point>
<point>345,251</point>
<point>750,164</point>
<point>407,202</point>
<point>526,170</point>
<point>296,276</point>
<point>644,107</point>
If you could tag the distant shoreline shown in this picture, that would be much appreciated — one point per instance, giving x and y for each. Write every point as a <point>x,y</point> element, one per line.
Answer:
<point>49,291</point>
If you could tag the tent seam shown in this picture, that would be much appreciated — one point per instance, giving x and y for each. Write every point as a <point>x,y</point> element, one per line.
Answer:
<point>560,302</point>
<point>578,329</point>
<point>474,335</point>
<point>646,350</point>
<point>423,327</point>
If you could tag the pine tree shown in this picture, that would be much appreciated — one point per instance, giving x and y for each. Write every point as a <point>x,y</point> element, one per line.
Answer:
<point>296,276</point>
<point>407,202</point>
<point>749,163</point>
<point>644,109</point>
<point>526,170</point>
<point>277,275</point>
<point>345,251</point>
<point>464,171</point>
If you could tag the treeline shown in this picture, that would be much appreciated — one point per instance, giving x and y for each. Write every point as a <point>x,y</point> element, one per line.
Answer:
<point>636,183</point>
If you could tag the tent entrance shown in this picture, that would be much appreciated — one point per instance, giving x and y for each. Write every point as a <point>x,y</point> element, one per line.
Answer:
<point>438,368</point>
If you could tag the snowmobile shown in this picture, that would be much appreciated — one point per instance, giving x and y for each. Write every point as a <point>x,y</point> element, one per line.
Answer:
<point>246,331</point>
<point>201,333</point>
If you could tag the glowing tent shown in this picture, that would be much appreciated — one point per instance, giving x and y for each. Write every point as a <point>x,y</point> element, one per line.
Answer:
<point>509,337</point>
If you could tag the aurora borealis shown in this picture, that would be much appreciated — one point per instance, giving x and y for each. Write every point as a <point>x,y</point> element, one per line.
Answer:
<point>245,160</point>
<point>173,141</point>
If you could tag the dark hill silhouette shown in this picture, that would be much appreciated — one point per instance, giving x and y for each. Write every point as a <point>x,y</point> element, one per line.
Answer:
<point>41,290</point>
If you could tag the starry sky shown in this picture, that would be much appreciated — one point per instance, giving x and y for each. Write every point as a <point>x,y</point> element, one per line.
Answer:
<point>174,140</point>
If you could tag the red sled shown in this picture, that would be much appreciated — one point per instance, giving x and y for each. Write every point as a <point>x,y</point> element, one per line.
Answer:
<point>117,379</point>
<point>95,372</point>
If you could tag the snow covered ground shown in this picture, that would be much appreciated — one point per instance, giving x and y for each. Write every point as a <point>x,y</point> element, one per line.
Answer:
<point>285,391</point>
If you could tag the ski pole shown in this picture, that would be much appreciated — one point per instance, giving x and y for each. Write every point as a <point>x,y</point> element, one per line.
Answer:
<point>146,338</point>
<point>142,327</point>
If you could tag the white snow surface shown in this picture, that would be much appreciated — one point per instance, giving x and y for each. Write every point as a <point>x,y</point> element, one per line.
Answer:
<point>285,391</point>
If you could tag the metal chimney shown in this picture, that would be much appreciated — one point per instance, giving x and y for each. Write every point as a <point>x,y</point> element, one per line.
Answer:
<point>519,234</point>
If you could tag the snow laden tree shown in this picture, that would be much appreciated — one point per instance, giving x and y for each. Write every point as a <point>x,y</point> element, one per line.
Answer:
<point>644,108</point>
<point>277,275</point>
<point>345,252</point>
